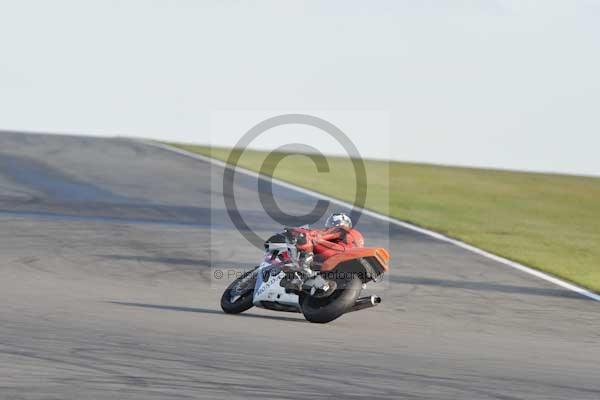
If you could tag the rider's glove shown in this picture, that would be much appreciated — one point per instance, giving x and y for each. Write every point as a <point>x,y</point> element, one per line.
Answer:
<point>301,239</point>
<point>306,260</point>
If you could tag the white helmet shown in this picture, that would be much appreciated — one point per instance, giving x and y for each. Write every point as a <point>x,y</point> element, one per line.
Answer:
<point>340,220</point>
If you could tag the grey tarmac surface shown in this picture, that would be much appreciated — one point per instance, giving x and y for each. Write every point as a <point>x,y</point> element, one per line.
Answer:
<point>108,250</point>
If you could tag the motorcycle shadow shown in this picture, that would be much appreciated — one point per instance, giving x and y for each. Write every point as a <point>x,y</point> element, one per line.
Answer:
<point>207,311</point>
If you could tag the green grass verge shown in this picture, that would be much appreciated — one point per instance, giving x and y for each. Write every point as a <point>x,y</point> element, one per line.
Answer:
<point>547,221</point>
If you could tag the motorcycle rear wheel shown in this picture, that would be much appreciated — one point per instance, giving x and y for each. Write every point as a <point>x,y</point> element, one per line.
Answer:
<point>326,309</point>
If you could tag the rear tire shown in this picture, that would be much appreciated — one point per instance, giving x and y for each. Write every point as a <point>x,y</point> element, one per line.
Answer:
<point>323,310</point>
<point>244,302</point>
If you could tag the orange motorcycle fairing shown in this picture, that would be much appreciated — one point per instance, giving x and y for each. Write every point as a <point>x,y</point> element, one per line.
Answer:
<point>373,260</point>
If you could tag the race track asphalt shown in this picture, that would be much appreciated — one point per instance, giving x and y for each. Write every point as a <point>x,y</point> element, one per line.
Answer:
<point>108,255</point>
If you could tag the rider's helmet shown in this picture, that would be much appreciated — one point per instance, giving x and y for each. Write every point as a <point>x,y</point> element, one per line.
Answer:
<point>340,220</point>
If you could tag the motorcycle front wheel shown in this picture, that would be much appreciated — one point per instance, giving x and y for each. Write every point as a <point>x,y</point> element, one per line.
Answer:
<point>326,309</point>
<point>238,296</point>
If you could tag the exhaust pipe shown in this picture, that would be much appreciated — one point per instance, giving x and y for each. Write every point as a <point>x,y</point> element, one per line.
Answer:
<point>365,302</point>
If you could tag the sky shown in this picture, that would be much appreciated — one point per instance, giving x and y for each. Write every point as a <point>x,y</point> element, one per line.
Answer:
<point>492,83</point>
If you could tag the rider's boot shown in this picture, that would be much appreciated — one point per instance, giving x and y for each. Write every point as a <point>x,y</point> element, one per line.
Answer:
<point>295,277</point>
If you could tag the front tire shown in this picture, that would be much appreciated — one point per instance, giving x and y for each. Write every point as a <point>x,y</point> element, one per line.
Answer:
<point>246,294</point>
<point>323,310</point>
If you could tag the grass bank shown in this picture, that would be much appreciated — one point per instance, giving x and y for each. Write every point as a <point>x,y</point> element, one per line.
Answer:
<point>550,222</point>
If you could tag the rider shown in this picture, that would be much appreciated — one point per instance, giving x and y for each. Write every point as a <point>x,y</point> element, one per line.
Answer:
<point>337,236</point>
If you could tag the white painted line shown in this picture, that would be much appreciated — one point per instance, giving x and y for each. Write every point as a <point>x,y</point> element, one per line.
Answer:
<point>436,235</point>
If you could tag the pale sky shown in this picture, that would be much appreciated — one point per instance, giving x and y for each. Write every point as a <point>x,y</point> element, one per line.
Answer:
<point>510,84</point>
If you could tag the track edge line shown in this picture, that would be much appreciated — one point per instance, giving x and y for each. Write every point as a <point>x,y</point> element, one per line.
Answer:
<point>436,235</point>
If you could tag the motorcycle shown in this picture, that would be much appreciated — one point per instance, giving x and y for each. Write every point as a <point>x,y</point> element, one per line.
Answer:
<point>321,291</point>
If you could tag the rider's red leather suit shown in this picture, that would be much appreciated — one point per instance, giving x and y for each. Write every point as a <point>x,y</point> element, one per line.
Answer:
<point>325,243</point>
